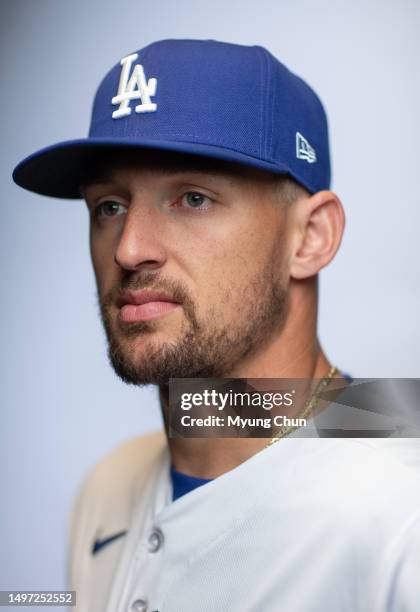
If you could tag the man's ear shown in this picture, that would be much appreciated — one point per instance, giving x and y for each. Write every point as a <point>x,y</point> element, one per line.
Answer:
<point>320,224</point>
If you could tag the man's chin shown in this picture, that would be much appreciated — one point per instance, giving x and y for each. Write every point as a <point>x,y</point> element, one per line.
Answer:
<point>144,359</point>
<point>135,368</point>
<point>152,351</point>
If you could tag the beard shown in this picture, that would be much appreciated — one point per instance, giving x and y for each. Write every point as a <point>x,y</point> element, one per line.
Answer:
<point>207,347</point>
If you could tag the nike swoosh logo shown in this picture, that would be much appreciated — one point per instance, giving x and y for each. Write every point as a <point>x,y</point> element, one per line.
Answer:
<point>98,544</point>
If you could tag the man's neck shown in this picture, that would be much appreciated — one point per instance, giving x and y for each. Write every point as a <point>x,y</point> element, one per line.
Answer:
<point>211,457</point>
<point>292,353</point>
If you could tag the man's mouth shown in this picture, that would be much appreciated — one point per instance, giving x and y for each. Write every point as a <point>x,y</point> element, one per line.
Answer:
<point>144,305</point>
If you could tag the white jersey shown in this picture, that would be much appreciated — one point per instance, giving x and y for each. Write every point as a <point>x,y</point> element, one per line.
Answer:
<point>305,525</point>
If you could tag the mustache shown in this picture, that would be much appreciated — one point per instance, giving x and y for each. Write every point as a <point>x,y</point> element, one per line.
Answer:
<point>155,281</point>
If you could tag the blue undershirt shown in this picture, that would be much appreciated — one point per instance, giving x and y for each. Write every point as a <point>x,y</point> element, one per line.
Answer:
<point>182,483</point>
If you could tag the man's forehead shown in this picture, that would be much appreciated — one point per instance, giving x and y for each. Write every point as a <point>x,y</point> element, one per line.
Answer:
<point>108,165</point>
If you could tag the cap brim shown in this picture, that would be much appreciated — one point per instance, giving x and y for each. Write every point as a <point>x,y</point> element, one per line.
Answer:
<point>59,170</point>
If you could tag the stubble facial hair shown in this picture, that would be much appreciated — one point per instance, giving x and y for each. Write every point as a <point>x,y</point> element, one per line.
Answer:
<point>207,347</point>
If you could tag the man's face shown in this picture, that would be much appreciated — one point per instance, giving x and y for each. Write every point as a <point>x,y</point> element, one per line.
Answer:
<point>211,240</point>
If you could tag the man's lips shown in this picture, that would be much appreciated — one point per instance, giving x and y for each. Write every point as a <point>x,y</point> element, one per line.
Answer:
<point>144,305</point>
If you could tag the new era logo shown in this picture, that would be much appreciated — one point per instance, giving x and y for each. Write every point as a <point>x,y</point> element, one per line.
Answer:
<point>304,149</point>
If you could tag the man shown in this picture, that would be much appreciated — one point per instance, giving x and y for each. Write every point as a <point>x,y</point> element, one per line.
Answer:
<point>206,175</point>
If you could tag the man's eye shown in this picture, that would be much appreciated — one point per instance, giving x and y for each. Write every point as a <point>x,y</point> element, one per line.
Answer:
<point>109,208</point>
<point>195,199</point>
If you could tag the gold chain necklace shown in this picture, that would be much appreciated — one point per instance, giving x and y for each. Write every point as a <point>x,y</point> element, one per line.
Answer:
<point>323,383</point>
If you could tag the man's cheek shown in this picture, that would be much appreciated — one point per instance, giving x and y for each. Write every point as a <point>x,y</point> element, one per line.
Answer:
<point>223,299</point>
<point>102,257</point>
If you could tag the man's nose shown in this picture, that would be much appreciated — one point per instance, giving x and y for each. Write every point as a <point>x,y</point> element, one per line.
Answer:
<point>139,245</point>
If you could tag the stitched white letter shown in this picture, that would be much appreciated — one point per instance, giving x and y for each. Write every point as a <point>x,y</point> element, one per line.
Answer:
<point>134,88</point>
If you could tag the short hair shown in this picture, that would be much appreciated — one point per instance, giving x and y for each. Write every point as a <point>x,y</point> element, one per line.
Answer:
<point>289,190</point>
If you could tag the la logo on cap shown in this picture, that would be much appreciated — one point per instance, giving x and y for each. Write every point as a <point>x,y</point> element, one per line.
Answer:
<point>134,87</point>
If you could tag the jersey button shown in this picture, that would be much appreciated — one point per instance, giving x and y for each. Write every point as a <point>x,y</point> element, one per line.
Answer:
<point>140,605</point>
<point>155,540</point>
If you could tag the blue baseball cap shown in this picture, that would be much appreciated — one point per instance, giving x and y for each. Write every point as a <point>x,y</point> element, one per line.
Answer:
<point>202,97</point>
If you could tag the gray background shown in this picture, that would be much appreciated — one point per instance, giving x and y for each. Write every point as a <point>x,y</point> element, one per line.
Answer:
<point>61,405</point>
